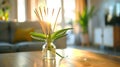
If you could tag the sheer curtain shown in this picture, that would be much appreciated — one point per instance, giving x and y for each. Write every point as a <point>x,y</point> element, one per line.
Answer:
<point>67,12</point>
<point>70,8</point>
<point>21,15</point>
<point>79,6</point>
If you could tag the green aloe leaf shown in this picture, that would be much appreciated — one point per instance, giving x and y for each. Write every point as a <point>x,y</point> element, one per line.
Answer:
<point>60,36</point>
<point>39,35</point>
<point>38,38</point>
<point>59,33</point>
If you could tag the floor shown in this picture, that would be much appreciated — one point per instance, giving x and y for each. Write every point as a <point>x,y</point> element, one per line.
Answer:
<point>96,50</point>
<point>72,40</point>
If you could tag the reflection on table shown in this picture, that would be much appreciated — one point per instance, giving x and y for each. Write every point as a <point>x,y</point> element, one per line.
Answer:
<point>73,58</point>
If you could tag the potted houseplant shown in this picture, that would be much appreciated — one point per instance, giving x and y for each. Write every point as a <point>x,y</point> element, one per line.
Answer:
<point>83,22</point>
<point>4,10</point>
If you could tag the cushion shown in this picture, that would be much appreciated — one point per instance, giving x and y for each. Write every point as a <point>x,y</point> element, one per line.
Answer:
<point>22,35</point>
<point>4,33</point>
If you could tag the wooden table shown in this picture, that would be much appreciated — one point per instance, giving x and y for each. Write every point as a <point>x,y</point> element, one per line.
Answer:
<point>74,58</point>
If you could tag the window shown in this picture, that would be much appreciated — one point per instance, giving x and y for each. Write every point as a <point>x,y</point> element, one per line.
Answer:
<point>56,4</point>
<point>66,15</point>
<point>69,7</point>
<point>21,10</point>
<point>118,9</point>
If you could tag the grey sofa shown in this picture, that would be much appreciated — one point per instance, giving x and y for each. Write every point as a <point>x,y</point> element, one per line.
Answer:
<point>8,34</point>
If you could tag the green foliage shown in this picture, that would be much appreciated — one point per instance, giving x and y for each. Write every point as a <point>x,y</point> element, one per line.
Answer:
<point>60,33</point>
<point>84,18</point>
<point>1,13</point>
<point>51,37</point>
<point>38,36</point>
<point>54,36</point>
<point>4,9</point>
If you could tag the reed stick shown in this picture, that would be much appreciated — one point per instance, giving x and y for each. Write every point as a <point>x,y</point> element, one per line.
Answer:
<point>37,14</point>
<point>49,25</point>
<point>40,21</point>
<point>52,12</point>
<point>43,22</point>
<point>45,12</point>
<point>46,24</point>
<point>56,19</point>
<point>41,13</point>
<point>46,28</point>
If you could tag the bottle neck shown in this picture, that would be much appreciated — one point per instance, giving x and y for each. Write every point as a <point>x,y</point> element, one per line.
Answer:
<point>49,40</point>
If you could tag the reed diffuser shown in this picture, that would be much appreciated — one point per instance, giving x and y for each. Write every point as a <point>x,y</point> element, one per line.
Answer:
<point>48,34</point>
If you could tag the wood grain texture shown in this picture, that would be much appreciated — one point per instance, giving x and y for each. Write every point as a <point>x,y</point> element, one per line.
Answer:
<point>116,37</point>
<point>73,58</point>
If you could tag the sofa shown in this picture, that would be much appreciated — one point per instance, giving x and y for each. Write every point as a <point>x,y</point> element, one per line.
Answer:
<point>15,37</point>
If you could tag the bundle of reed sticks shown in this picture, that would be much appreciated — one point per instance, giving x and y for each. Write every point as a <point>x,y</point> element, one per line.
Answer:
<point>42,15</point>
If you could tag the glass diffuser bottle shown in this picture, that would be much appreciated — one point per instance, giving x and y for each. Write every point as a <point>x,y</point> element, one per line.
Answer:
<point>49,53</point>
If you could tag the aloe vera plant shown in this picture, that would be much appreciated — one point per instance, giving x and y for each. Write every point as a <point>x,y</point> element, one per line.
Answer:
<point>53,36</point>
<point>48,34</point>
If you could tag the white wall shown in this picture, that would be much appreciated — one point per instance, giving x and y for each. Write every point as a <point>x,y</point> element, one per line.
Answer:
<point>98,18</point>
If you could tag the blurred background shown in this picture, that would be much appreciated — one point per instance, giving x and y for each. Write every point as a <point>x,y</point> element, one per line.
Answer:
<point>95,22</point>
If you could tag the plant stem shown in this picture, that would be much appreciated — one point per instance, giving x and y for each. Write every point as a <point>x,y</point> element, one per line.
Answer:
<point>59,55</point>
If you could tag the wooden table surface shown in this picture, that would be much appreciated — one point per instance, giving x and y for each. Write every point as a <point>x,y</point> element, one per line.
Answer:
<point>73,58</point>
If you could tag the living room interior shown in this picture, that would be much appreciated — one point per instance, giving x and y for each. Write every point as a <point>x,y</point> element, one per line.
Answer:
<point>103,35</point>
